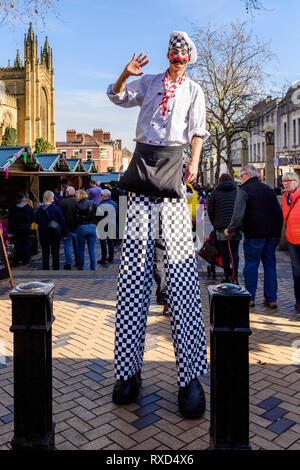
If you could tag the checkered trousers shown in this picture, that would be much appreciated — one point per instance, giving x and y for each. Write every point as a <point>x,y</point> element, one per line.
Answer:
<point>167,219</point>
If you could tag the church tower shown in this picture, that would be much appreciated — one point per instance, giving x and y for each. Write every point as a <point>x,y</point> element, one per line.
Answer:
<point>32,85</point>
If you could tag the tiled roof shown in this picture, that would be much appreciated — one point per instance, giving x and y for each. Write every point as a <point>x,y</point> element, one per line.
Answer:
<point>9,153</point>
<point>89,143</point>
<point>88,165</point>
<point>48,160</point>
<point>73,163</point>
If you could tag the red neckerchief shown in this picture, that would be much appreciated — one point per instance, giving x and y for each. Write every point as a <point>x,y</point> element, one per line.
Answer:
<point>169,90</point>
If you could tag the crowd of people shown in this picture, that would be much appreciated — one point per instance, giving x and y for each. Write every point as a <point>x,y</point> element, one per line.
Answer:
<point>254,210</point>
<point>67,216</point>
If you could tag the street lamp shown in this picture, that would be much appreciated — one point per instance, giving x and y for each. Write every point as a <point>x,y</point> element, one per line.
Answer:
<point>244,136</point>
<point>269,165</point>
<point>205,162</point>
<point>269,133</point>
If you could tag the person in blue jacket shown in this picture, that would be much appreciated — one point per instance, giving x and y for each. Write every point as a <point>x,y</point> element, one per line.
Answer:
<point>50,237</point>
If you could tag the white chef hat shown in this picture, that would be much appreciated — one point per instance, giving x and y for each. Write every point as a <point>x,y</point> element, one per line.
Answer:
<point>181,39</point>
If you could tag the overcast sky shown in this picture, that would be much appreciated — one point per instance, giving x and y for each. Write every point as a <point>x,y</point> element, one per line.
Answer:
<point>94,39</point>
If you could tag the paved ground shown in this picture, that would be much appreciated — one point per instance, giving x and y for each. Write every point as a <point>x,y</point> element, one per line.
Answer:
<point>83,369</point>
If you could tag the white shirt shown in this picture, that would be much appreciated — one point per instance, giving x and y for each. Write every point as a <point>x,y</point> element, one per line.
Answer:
<point>186,116</point>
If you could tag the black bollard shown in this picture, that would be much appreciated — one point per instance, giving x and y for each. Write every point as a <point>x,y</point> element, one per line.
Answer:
<point>32,320</point>
<point>229,388</point>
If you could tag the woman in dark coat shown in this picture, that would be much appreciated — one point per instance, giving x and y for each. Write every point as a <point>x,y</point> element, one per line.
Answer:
<point>50,238</point>
<point>220,209</point>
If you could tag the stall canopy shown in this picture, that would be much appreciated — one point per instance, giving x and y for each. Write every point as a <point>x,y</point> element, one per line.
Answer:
<point>76,164</point>
<point>89,166</point>
<point>48,162</point>
<point>106,177</point>
<point>21,161</point>
<point>8,155</point>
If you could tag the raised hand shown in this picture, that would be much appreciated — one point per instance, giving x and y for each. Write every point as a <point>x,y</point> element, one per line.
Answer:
<point>135,65</point>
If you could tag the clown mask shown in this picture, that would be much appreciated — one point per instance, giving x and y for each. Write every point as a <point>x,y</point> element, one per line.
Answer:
<point>178,55</point>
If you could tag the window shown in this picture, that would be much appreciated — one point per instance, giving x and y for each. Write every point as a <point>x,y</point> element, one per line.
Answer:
<point>298,131</point>
<point>284,135</point>
<point>64,153</point>
<point>75,153</point>
<point>250,152</point>
<point>254,152</point>
<point>258,151</point>
<point>263,151</point>
<point>294,132</point>
<point>89,155</point>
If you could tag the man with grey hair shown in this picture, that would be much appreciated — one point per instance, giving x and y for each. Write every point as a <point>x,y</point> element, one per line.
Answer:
<point>107,216</point>
<point>258,213</point>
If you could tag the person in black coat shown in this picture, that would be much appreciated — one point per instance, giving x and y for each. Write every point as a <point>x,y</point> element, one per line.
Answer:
<point>220,207</point>
<point>19,224</point>
<point>258,213</point>
<point>49,237</point>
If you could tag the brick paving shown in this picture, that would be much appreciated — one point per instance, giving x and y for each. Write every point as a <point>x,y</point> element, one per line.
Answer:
<point>83,334</point>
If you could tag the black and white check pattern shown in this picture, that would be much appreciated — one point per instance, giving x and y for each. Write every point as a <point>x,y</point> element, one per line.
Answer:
<point>179,41</point>
<point>148,218</point>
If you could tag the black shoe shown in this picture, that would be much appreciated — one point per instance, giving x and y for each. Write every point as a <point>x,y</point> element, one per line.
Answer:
<point>111,260</point>
<point>68,267</point>
<point>102,261</point>
<point>80,268</point>
<point>191,400</point>
<point>126,391</point>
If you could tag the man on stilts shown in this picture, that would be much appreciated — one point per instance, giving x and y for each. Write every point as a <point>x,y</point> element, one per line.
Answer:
<point>172,114</point>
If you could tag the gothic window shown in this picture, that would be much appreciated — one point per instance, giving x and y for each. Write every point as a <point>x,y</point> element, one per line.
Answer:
<point>7,120</point>
<point>44,114</point>
<point>284,134</point>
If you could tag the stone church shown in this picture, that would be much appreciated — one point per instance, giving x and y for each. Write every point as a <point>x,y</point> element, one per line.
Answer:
<point>27,94</point>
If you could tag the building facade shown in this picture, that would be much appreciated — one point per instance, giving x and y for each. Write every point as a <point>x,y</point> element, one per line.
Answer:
<point>282,116</point>
<point>27,94</point>
<point>99,147</point>
<point>127,156</point>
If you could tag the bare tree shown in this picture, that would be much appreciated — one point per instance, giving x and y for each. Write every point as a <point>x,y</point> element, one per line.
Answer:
<point>230,69</point>
<point>25,10</point>
<point>253,5</point>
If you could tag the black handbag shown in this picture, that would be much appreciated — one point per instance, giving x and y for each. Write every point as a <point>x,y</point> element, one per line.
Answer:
<point>154,171</point>
<point>208,253</point>
<point>53,226</point>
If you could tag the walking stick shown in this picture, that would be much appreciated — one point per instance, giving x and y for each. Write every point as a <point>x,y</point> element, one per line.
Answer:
<point>234,280</point>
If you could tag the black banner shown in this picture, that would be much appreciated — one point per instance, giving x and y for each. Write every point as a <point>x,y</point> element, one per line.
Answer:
<point>286,161</point>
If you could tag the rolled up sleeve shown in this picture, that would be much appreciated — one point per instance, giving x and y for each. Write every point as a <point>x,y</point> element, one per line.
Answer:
<point>197,117</point>
<point>133,95</point>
